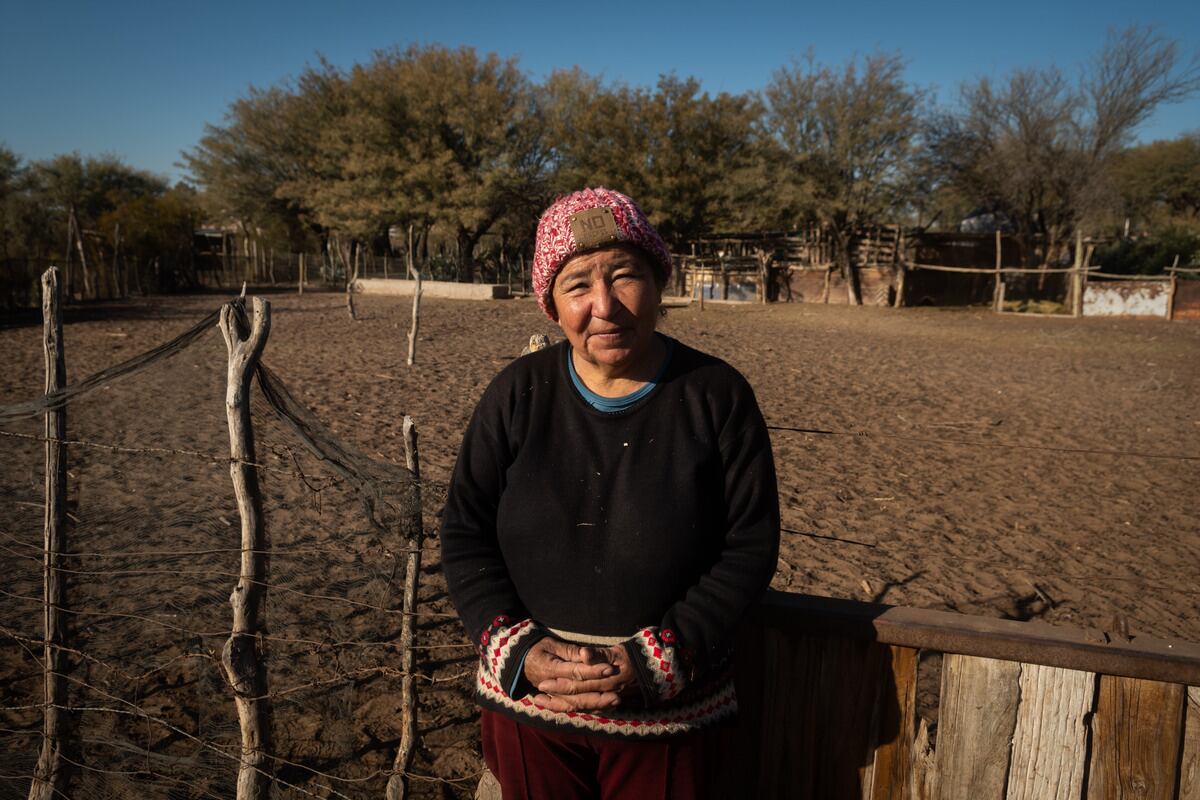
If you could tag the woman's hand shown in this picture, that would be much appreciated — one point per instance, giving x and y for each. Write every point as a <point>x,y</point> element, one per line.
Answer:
<point>573,678</point>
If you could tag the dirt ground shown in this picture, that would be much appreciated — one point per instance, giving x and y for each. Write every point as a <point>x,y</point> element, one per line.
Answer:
<point>993,465</point>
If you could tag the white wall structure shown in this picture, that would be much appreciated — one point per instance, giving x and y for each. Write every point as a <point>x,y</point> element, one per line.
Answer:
<point>1127,299</point>
<point>447,289</point>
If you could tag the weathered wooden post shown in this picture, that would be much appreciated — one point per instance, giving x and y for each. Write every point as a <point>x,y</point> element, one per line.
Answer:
<point>413,540</point>
<point>901,270</point>
<point>997,291</point>
<point>1077,287</point>
<point>763,259</point>
<point>351,279</point>
<point>1172,289</point>
<point>416,318</point>
<point>243,663</point>
<point>50,774</point>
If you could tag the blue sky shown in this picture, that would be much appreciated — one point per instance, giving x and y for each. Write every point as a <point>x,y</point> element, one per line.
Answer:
<point>139,79</point>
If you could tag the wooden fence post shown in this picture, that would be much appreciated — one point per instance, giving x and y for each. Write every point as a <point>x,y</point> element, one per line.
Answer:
<point>350,281</point>
<point>416,318</point>
<point>1172,289</point>
<point>413,540</point>
<point>50,774</point>
<point>1076,301</point>
<point>997,289</point>
<point>902,271</point>
<point>241,658</point>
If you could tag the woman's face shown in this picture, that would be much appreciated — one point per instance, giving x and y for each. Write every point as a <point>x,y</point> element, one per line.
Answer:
<point>607,303</point>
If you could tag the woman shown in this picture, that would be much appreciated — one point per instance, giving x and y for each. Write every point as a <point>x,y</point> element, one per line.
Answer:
<point>612,515</point>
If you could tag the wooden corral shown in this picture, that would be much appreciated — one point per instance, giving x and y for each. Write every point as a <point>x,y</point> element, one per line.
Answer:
<point>826,285</point>
<point>828,696</point>
<point>799,266</point>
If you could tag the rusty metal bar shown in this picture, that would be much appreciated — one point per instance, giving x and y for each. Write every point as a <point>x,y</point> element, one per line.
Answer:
<point>1032,642</point>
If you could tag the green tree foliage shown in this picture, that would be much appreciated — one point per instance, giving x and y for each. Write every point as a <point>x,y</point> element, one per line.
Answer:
<point>1160,182</point>
<point>1153,254</point>
<point>684,155</point>
<point>430,136</point>
<point>466,150</point>
<point>269,141</point>
<point>850,136</point>
<point>39,200</point>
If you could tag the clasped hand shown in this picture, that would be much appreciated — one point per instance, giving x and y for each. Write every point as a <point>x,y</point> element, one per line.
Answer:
<point>571,677</point>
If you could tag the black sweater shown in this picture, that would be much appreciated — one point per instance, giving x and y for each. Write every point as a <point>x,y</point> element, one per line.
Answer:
<point>658,525</point>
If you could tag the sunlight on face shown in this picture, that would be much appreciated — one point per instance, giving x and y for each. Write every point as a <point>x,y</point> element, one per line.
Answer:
<point>607,303</point>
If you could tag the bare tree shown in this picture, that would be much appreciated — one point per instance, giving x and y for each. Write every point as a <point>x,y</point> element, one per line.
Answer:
<point>1036,147</point>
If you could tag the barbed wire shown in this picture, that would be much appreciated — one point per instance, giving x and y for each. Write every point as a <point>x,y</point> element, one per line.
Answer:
<point>272,551</point>
<point>122,573</point>
<point>424,483</point>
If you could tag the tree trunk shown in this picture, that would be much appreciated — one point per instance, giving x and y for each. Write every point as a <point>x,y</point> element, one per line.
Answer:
<point>88,289</point>
<point>1049,254</point>
<point>241,657</point>
<point>121,277</point>
<point>50,774</point>
<point>901,270</point>
<point>848,269</point>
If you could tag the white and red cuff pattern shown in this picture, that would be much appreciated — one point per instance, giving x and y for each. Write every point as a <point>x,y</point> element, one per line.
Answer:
<point>655,655</point>
<point>502,647</point>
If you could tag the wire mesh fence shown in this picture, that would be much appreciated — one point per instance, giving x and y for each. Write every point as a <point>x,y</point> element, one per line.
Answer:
<point>153,552</point>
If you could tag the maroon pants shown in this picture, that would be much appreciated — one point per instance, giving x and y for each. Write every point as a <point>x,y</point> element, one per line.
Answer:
<point>531,763</point>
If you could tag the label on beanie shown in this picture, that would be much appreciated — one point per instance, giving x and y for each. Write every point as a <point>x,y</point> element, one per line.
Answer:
<point>594,227</point>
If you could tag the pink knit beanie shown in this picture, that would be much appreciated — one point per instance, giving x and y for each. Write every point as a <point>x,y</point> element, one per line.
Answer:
<point>588,220</point>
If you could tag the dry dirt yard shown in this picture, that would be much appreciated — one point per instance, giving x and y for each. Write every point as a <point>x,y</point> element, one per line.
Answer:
<point>1021,467</point>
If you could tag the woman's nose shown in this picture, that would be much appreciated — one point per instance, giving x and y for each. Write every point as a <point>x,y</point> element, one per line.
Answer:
<point>603,302</point>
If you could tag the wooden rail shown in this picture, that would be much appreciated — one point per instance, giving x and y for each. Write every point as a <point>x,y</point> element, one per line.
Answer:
<point>828,693</point>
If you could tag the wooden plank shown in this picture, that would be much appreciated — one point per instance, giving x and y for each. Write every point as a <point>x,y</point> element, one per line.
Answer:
<point>976,720</point>
<point>1050,742</point>
<point>897,727</point>
<point>1172,661</point>
<point>1189,765</point>
<point>1136,735</point>
<point>818,709</point>
<point>922,769</point>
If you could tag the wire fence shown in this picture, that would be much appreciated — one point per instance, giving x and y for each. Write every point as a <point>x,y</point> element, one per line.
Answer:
<point>149,561</point>
<point>153,554</point>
